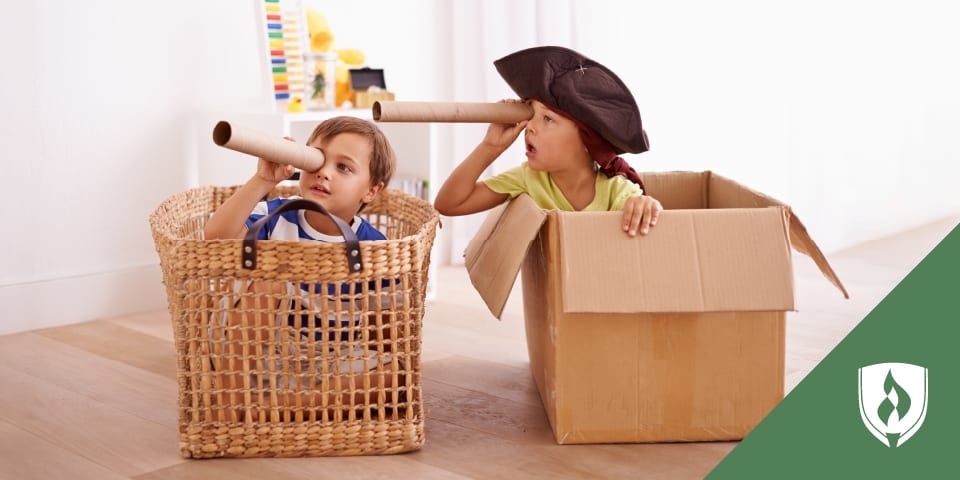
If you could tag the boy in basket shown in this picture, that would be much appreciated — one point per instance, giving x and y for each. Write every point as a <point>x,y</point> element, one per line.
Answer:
<point>359,163</point>
<point>583,118</point>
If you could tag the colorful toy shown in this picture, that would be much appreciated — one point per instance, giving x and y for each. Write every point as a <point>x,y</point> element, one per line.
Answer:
<point>295,105</point>
<point>321,41</point>
<point>282,27</point>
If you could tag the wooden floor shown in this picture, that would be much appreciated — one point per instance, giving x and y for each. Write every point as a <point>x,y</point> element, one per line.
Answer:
<point>97,400</point>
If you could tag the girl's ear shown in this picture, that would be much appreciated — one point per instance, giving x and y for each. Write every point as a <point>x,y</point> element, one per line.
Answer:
<point>372,192</point>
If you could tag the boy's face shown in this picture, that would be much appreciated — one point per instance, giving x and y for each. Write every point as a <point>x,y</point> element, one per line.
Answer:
<point>342,184</point>
<point>553,142</point>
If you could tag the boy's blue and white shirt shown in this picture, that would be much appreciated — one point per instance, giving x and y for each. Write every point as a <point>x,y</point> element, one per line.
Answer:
<point>292,225</point>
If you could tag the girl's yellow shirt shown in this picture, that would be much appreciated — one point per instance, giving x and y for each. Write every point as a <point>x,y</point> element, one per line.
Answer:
<point>611,192</point>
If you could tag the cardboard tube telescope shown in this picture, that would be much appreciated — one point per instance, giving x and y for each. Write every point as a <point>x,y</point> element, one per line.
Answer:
<point>455,112</point>
<point>259,144</point>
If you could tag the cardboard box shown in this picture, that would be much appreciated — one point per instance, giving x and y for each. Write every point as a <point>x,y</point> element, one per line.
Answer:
<point>674,336</point>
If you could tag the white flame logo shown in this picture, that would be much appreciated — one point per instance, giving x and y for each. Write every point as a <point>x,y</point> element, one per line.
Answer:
<point>893,400</point>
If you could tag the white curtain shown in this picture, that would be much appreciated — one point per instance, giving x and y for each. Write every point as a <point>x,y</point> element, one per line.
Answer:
<point>477,34</point>
<point>844,109</point>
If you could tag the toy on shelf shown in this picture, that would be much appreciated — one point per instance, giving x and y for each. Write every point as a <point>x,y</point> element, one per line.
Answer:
<point>321,63</point>
<point>321,71</point>
<point>331,66</point>
<point>321,36</point>
<point>283,35</point>
<point>350,58</point>
<point>295,105</point>
<point>369,86</point>
<point>302,61</point>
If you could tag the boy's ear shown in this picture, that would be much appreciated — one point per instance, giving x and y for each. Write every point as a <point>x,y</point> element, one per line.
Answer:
<point>372,192</point>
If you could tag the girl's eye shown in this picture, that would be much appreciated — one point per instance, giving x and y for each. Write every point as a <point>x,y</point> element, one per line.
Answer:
<point>547,118</point>
<point>344,167</point>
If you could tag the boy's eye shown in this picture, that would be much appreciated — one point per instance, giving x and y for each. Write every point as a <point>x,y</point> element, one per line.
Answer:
<point>344,167</point>
<point>547,118</point>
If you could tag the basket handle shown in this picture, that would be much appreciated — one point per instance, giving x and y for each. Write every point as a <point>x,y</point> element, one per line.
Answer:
<point>249,252</point>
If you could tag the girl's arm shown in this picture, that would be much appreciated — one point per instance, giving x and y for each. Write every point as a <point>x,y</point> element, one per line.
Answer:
<point>462,193</point>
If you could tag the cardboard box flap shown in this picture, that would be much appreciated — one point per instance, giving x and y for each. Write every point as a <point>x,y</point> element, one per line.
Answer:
<point>726,193</point>
<point>677,190</point>
<point>693,261</point>
<point>494,255</point>
<point>804,244</point>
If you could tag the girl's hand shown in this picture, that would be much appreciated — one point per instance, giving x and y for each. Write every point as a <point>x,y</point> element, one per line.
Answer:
<point>640,213</point>
<point>502,135</point>
<point>274,172</point>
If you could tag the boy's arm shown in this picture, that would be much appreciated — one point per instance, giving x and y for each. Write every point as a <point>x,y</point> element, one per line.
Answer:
<point>229,220</point>
<point>461,193</point>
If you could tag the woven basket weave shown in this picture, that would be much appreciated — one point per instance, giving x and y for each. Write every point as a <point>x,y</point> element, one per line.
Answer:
<point>297,357</point>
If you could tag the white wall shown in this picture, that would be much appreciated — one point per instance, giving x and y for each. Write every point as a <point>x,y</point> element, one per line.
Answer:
<point>94,97</point>
<point>844,109</point>
<point>97,100</point>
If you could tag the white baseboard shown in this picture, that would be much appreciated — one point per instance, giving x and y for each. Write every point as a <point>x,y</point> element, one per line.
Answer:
<point>63,301</point>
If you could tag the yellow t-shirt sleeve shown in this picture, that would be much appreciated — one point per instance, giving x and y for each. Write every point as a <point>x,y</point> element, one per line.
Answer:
<point>538,185</point>
<point>611,193</point>
<point>620,189</point>
<point>511,182</point>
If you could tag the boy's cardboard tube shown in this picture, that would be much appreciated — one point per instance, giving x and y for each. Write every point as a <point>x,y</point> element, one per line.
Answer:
<point>456,112</point>
<point>274,149</point>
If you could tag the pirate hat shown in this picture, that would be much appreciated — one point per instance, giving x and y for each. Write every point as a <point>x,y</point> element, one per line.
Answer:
<point>582,88</point>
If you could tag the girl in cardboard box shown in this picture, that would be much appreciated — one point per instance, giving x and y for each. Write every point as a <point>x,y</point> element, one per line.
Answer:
<point>583,118</point>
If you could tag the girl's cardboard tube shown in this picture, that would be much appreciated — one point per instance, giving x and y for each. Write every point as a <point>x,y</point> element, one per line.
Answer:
<point>275,149</point>
<point>456,112</point>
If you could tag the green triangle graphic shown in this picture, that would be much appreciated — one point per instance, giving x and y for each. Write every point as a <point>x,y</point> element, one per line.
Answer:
<point>817,431</point>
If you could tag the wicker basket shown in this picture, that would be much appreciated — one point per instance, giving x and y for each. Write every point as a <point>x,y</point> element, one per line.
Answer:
<point>298,356</point>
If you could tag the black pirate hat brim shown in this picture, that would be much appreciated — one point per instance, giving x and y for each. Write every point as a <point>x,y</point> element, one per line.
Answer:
<point>582,88</point>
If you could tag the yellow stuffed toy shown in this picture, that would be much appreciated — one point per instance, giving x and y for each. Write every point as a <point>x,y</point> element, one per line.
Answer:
<point>347,58</point>
<point>321,37</point>
<point>321,40</point>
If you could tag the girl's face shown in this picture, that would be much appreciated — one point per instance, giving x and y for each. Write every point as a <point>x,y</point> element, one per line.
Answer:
<point>342,184</point>
<point>553,141</point>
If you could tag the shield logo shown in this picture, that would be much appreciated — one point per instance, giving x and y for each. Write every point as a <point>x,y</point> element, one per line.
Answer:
<point>893,400</point>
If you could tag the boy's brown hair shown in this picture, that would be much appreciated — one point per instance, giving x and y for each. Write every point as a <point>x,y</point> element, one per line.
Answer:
<point>383,160</point>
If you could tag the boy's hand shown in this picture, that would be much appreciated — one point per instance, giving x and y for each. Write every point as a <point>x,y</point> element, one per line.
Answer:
<point>274,172</point>
<point>640,213</point>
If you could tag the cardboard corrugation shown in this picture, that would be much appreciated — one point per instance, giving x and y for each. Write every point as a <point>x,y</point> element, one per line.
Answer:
<point>675,336</point>
<point>735,259</point>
